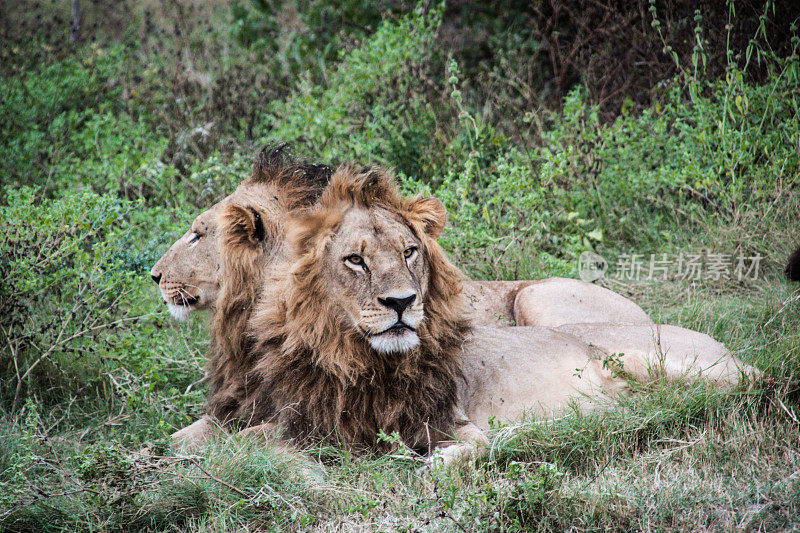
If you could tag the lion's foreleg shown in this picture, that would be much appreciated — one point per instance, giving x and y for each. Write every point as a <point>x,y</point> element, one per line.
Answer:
<point>195,435</point>
<point>471,443</point>
<point>266,430</point>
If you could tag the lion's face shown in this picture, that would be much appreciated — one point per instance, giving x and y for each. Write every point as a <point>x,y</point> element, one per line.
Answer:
<point>188,273</point>
<point>377,272</point>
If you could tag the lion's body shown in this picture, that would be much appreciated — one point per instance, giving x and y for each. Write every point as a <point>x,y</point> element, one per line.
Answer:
<point>646,351</point>
<point>548,302</point>
<point>541,371</point>
<point>530,370</point>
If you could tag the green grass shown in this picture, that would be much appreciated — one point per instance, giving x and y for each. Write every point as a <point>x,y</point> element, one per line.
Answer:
<point>671,456</point>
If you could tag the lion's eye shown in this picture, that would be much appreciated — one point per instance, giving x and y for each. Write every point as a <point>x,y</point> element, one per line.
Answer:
<point>355,259</point>
<point>194,237</point>
<point>409,252</point>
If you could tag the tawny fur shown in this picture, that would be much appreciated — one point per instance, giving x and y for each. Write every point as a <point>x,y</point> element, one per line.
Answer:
<point>317,376</point>
<point>251,240</point>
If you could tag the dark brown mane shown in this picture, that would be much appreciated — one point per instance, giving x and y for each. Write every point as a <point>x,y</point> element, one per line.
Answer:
<point>305,181</point>
<point>317,376</point>
<point>249,240</point>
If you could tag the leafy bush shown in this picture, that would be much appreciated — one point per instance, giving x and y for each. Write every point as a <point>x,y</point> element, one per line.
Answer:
<point>67,126</point>
<point>299,39</point>
<point>64,127</point>
<point>699,158</point>
<point>373,106</point>
<point>68,266</point>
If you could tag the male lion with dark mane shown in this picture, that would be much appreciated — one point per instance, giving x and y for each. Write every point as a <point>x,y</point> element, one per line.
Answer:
<point>361,329</point>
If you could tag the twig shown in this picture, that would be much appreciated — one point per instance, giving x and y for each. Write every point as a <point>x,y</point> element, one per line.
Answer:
<point>237,490</point>
<point>13,353</point>
<point>198,382</point>
<point>786,303</point>
<point>443,513</point>
<point>597,474</point>
<point>60,342</point>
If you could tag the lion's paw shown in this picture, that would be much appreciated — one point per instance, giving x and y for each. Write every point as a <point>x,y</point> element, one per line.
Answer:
<point>448,456</point>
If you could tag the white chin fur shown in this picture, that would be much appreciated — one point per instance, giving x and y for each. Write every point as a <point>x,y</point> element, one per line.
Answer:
<point>392,342</point>
<point>179,312</point>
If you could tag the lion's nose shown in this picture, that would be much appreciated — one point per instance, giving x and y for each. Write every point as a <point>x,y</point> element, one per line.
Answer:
<point>156,276</point>
<point>399,304</point>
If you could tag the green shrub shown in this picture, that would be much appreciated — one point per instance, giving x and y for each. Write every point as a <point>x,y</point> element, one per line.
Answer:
<point>692,164</point>
<point>374,106</point>
<point>65,127</point>
<point>68,267</point>
<point>299,39</point>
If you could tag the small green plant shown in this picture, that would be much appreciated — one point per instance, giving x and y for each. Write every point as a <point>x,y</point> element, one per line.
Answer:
<point>614,364</point>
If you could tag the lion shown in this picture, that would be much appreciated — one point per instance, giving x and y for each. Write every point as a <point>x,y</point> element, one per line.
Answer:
<point>188,273</point>
<point>256,212</point>
<point>363,331</point>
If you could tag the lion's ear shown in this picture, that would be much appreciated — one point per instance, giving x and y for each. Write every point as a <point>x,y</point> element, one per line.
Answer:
<point>242,226</point>
<point>431,212</point>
